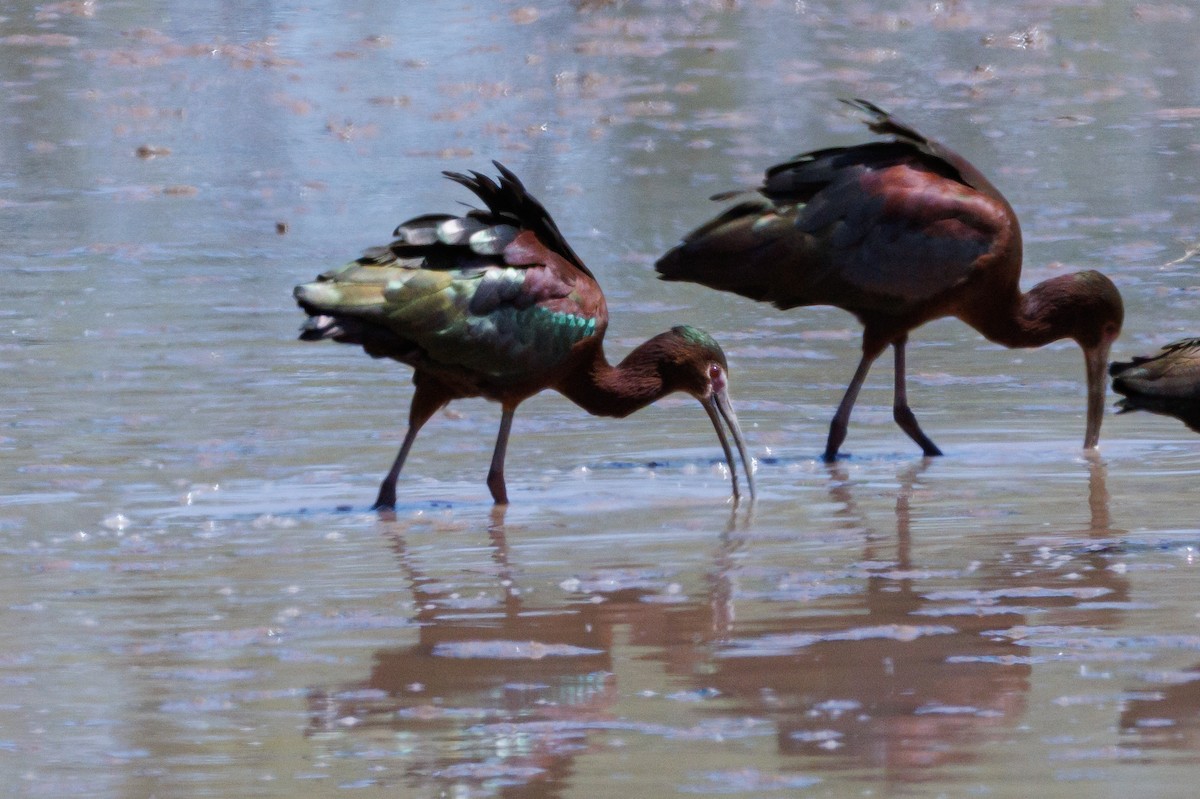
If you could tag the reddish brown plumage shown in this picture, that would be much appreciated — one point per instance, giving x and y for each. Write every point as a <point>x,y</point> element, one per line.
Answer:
<point>496,304</point>
<point>898,233</point>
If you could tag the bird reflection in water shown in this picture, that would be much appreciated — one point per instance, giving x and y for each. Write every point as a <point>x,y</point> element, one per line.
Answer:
<point>492,691</point>
<point>869,678</point>
<point>879,663</point>
<point>905,676</point>
<point>1164,716</point>
<point>1162,711</point>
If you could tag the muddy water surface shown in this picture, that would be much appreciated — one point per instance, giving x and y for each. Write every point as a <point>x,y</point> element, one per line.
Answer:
<point>196,601</point>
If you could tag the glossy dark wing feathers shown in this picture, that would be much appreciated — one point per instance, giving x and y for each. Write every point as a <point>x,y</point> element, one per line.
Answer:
<point>1167,382</point>
<point>508,200</point>
<point>883,123</point>
<point>940,156</point>
<point>882,227</point>
<point>1172,373</point>
<point>741,251</point>
<point>843,245</point>
<point>801,178</point>
<point>489,299</point>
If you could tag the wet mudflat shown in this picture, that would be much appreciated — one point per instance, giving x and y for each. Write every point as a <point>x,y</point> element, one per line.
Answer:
<point>195,600</point>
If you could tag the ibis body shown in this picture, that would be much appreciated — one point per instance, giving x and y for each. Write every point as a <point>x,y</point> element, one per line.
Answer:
<point>898,233</point>
<point>1167,382</point>
<point>496,304</point>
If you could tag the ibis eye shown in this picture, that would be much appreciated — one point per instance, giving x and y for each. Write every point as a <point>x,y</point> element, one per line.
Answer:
<point>716,378</point>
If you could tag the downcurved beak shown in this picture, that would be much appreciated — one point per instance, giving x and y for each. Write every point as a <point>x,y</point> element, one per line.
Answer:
<point>1096,360</point>
<point>721,410</point>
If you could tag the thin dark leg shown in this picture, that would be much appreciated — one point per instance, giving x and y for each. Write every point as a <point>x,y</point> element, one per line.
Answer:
<point>900,410</point>
<point>424,405</point>
<point>841,419</point>
<point>495,478</point>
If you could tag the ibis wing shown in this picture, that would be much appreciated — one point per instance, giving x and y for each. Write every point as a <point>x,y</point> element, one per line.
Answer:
<point>935,154</point>
<point>510,320</point>
<point>885,227</point>
<point>880,234</point>
<point>1173,373</point>
<point>490,304</point>
<point>752,249</point>
<point>888,240</point>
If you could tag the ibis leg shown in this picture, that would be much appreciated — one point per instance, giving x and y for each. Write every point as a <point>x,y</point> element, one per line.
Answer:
<point>495,478</point>
<point>841,419</point>
<point>900,410</point>
<point>424,405</point>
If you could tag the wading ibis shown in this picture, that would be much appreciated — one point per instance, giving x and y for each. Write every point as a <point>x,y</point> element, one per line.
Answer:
<point>1167,382</point>
<point>496,304</point>
<point>898,233</point>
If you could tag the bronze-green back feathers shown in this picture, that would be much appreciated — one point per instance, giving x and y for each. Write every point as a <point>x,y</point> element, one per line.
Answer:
<point>1167,382</point>
<point>493,297</point>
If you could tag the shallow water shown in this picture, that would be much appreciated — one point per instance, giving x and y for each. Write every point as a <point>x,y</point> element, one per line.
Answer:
<point>196,601</point>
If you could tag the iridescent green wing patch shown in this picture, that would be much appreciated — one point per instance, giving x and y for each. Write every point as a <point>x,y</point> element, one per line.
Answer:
<point>487,322</point>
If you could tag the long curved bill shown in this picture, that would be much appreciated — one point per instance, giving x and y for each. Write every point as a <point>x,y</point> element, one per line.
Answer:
<point>721,410</point>
<point>1097,383</point>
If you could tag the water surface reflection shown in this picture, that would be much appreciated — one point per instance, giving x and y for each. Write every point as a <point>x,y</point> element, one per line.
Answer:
<point>881,664</point>
<point>174,622</point>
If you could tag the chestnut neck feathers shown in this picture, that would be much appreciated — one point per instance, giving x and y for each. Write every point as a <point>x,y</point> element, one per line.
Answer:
<point>677,360</point>
<point>1083,306</point>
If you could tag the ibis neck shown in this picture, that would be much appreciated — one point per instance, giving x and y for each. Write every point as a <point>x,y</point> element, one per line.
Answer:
<point>606,390</point>
<point>1033,319</point>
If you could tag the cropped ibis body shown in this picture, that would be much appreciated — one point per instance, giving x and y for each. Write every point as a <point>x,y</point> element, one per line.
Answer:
<point>496,304</point>
<point>1167,382</point>
<point>898,233</point>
